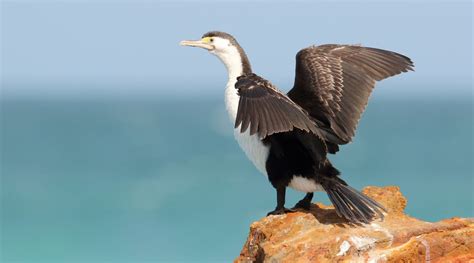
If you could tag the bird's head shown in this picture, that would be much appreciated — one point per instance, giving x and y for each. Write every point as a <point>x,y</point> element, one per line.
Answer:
<point>218,43</point>
<point>226,48</point>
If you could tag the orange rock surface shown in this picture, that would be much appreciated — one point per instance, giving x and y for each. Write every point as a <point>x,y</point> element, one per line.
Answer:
<point>321,236</point>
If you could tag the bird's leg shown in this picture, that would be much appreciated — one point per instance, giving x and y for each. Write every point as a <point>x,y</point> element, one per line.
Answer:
<point>304,203</point>
<point>280,208</point>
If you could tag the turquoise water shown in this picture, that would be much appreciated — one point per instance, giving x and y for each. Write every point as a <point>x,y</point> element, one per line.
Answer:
<point>155,179</point>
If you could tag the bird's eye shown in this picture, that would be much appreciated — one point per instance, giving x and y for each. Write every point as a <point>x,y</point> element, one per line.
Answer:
<point>212,39</point>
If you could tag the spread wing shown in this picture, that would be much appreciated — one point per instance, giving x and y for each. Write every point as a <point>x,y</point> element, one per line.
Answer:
<point>265,110</point>
<point>333,83</point>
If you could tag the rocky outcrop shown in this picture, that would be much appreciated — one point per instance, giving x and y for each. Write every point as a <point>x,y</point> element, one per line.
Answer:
<point>321,236</point>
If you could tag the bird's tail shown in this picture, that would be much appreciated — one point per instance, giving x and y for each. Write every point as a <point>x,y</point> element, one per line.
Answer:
<point>350,203</point>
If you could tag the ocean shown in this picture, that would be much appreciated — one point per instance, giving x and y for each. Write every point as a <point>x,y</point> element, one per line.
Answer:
<point>161,179</point>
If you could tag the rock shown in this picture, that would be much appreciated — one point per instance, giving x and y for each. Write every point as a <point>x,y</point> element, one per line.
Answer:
<point>321,236</point>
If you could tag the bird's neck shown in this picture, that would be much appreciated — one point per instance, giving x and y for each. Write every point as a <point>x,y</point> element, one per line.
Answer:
<point>236,62</point>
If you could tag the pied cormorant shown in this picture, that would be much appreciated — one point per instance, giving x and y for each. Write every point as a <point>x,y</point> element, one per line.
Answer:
<point>288,136</point>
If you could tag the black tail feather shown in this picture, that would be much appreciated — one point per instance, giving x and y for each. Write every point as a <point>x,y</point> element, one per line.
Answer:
<point>350,203</point>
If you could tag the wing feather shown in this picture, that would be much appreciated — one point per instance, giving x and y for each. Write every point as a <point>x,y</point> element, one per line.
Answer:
<point>264,110</point>
<point>253,117</point>
<point>262,125</point>
<point>333,84</point>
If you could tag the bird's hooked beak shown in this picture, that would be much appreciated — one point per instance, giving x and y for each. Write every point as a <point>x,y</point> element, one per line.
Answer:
<point>202,43</point>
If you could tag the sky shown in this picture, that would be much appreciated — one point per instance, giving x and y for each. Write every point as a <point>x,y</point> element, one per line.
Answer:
<point>56,47</point>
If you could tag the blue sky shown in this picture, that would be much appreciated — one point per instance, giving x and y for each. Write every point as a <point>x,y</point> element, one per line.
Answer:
<point>61,46</point>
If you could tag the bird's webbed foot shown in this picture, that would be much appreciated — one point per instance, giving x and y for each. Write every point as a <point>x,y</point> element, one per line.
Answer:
<point>304,203</point>
<point>280,211</point>
<point>280,208</point>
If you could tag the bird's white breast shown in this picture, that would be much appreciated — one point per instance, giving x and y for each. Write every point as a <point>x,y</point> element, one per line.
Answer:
<point>253,147</point>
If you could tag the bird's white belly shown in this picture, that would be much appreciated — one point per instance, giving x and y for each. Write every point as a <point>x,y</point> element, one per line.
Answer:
<point>258,152</point>
<point>303,184</point>
<point>254,148</point>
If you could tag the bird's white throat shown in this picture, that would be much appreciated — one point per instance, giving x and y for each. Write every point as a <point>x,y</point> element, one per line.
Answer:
<point>232,61</point>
